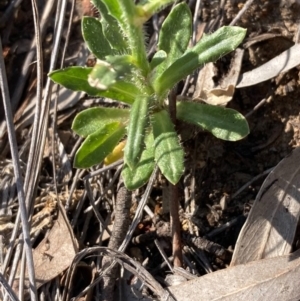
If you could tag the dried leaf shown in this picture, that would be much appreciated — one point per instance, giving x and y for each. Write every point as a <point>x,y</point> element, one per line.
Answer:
<point>207,91</point>
<point>219,96</point>
<point>273,279</point>
<point>205,80</point>
<point>281,63</point>
<point>271,225</point>
<point>53,255</point>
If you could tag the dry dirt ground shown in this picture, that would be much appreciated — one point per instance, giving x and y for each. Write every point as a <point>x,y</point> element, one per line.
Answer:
<point>215,170</point>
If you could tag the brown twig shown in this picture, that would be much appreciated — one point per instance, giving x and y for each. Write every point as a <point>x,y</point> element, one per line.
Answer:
<point>241,12</point>
<point>164,230</point>
<point>208,246</point>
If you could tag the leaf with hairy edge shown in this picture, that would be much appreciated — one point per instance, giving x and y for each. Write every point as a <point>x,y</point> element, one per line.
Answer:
<point>102,76</point>
<point>107,73</point>
<point>208,49</point>
<point>137,177</point>
<point>174,35</point>
<point>111,28</point>
<point>168,151</point>
<point>226,124</point>
<point>97,146</point>
<point>94,38</point>
<point>76,79</point>
<point>121,63</point>
<point>158,58</point>
<point>139,118</point>
<point>112,6</point>
<point>148,8</point>
<point>91,120</point>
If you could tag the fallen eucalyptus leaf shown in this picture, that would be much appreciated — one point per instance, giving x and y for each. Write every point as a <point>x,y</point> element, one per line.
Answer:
<point>281,63</point>
<point>275,279</point>
<point>271,225</point>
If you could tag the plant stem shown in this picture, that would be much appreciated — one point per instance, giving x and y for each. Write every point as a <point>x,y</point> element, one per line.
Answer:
<point>174,202</point>
<point>121,225</point>
<point>134,32</point>
<point>151,7</point>
<point>172,105</point>
<point>175,226</point>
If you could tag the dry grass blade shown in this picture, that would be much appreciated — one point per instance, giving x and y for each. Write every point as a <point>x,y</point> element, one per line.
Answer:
<point>273,279</point>
<point>8,289</point>
<point>118,257</point>
<point>17,174</point>
<point>19,87</point>
<point>271,225</point>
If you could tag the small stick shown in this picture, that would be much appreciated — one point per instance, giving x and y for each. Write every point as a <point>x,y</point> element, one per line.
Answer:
<point>264,173</point>
<point>208,246</point>
<point>241,12</point>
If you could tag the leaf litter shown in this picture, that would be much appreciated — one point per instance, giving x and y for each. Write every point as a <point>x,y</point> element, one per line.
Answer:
<point>216,171</point>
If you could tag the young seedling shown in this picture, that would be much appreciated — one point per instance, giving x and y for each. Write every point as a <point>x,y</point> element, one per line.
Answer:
<point>124,73</point>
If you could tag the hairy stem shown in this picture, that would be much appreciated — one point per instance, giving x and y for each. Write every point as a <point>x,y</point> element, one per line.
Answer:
<point>121,225</point>
<point>152,7</point>
<point>134,32</point>
<point>175,226</point>
<point>174,202</point>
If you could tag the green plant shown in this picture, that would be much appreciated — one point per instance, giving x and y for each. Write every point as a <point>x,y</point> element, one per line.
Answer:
<point>124,73</point>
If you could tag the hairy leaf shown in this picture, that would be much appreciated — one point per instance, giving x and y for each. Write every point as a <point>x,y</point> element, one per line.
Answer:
<point>112,6</point>
<point>94,38</point>
<point>226,124</point>
<point>136,131</point>
<point>138,176</point>
<point>102,76</point>
<point>174,35</point>
<point>121,63</point>
<point>168,151</point>
<point>111,29</point>
<point>148,8</point>
<point>76,79</point>
<point>91,120</point>
<point>98,145</point>
<point>158,58</point>
<point>208,49</point>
